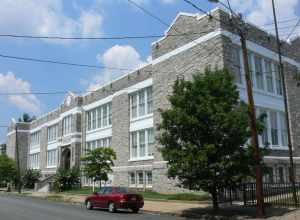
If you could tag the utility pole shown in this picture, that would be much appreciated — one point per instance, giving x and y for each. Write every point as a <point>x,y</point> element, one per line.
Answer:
<point>241,29</point>
<point>260,212</point>
<point>287,116</point>
<point>18,160</point>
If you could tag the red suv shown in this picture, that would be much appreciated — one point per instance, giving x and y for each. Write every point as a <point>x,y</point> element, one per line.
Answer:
<point>113,198</point>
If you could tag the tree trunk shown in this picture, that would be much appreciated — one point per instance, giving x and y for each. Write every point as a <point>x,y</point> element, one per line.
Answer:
<point>215,199</point>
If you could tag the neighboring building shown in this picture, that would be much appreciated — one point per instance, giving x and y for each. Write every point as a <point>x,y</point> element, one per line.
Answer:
<point>124,113</point>
<point>2,149</point>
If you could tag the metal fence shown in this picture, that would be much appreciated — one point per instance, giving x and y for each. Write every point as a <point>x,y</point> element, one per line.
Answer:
<point>278,194</point>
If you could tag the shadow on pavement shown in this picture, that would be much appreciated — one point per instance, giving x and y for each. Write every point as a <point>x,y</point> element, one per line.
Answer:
<point>233,212</point>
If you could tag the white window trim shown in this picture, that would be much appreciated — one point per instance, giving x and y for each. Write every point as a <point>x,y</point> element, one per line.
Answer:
<point>139,158</point>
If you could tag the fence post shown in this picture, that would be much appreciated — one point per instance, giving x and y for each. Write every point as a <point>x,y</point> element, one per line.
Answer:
<point>244,193</point>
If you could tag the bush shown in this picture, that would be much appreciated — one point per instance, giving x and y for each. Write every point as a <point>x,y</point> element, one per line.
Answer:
<point>30,177</point>
<point>66,179</point>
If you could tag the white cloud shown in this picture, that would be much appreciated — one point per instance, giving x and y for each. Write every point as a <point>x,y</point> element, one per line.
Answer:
<point>119,56</point>
<point>10,84</point>
<point>260,12</point>
<point>46,17</point>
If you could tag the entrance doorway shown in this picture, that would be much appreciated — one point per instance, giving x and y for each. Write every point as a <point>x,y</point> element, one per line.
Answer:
<point>66,159</point>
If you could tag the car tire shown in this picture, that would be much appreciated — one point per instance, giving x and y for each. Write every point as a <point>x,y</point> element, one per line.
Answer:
<point>89,205</point>
<point>111,207</point>
<point>135,210</point>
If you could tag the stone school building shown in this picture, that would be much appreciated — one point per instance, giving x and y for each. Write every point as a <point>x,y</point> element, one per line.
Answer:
<point>123,114</point>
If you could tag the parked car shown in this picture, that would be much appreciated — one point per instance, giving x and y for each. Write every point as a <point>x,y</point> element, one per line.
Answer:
<point>114,198</point>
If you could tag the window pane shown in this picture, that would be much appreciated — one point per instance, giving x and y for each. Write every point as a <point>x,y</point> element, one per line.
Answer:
<point>142,144</point>
<point>99,117</point>
<point>236,65</point>
<point>134,105</point>
<point>105,116</point>
<point>149,178</point>
<point>132,178</point>
<point>269,76</point>
<point>141,102</point>
<point>284,133</point>
<point>278,80</point>
<point>150,141</point>
<point>259,73</point>
<point>274,127</point>
<point>134,144</point>
<point>140,178</point>
<point>149,100</point>
<point>110,114</point>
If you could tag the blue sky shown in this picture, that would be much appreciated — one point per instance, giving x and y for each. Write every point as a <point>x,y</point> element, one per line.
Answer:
<point>89,18</point>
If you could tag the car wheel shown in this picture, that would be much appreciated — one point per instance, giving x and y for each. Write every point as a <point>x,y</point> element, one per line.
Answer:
<point>111,207</point>
<point>135,210</point>
<point>89,205</point>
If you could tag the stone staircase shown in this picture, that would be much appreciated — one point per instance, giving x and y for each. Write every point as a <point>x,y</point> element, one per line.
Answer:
<point>44,185</point>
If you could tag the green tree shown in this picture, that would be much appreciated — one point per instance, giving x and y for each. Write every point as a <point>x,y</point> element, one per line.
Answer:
<point>8,169</point>
<point>98,163</point>
<point>203,131</point>
<point>30,177</point>
<point>66,179</point>
<point>27,118</point>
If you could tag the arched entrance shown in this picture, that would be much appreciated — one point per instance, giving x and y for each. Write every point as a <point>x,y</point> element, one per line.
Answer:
<point>66,159</point>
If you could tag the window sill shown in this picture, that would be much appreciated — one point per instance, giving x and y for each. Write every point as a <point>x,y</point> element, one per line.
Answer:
<point>141,159</point>
<point>49,167</point>
<point>262,92</point>
<point>52,142</point>
<point>141,118</point>
<point>99,129</point>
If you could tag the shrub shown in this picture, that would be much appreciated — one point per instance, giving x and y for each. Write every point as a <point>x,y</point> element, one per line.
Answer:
<point>66,179</point>
<point>30,177</point>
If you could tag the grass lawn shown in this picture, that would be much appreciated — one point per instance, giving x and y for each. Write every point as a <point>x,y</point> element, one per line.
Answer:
<point>148,195</point>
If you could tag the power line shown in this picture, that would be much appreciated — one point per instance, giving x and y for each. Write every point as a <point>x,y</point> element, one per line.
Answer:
<point>293,30</point>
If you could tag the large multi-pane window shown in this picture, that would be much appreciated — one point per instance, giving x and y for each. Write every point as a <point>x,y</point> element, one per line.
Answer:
<point>141,143</point>
<point>236,61</point>
<point>35,138</point>
<point>52,158</point>
<point>141,103</point>
<point>34,161</point>
<point>99,117</point>
<point>52,132</point>
<point>275,132</point>
<point>67,125</point>
<point>264,72</point>
<point>104,142</point>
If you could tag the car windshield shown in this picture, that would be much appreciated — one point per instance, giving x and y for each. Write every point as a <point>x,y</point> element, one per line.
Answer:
<point>121,190</point>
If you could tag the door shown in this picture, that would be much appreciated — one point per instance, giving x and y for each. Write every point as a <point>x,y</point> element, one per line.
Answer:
<point>105,197</point>
<point>97,198</point>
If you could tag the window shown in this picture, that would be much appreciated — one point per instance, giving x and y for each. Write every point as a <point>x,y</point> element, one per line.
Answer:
<point>140,176</point>
<point>35,138</point>
<point>104,142</point>
<point>278,80</point>
<point>67,125</point>
<point>132,178</point>
<point>274,127</point>
<point>259,73</point>
<point>264,135</point>
<point>34,161</point>
<point>269,76</point>
<point>99,117</point>
<point>236,60</point>
<point>52,158</point>
<point>52,132</point>
<point>142,144</point>
<point>141,103</point>
<point>149,178</point>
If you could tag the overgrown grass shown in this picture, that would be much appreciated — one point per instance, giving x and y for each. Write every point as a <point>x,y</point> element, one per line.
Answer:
<point>149,195</point>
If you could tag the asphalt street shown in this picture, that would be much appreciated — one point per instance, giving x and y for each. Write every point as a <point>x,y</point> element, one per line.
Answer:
<point>25,208</point>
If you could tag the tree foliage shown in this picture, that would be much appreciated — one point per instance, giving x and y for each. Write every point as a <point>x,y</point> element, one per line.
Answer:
<point>30,177</point>
<point>8,169</point>
<point>98,163</point>
<point>66,179</point>
<point>203,131</point>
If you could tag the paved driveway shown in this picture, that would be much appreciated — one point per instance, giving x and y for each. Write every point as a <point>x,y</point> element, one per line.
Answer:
<point>25,208</point>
